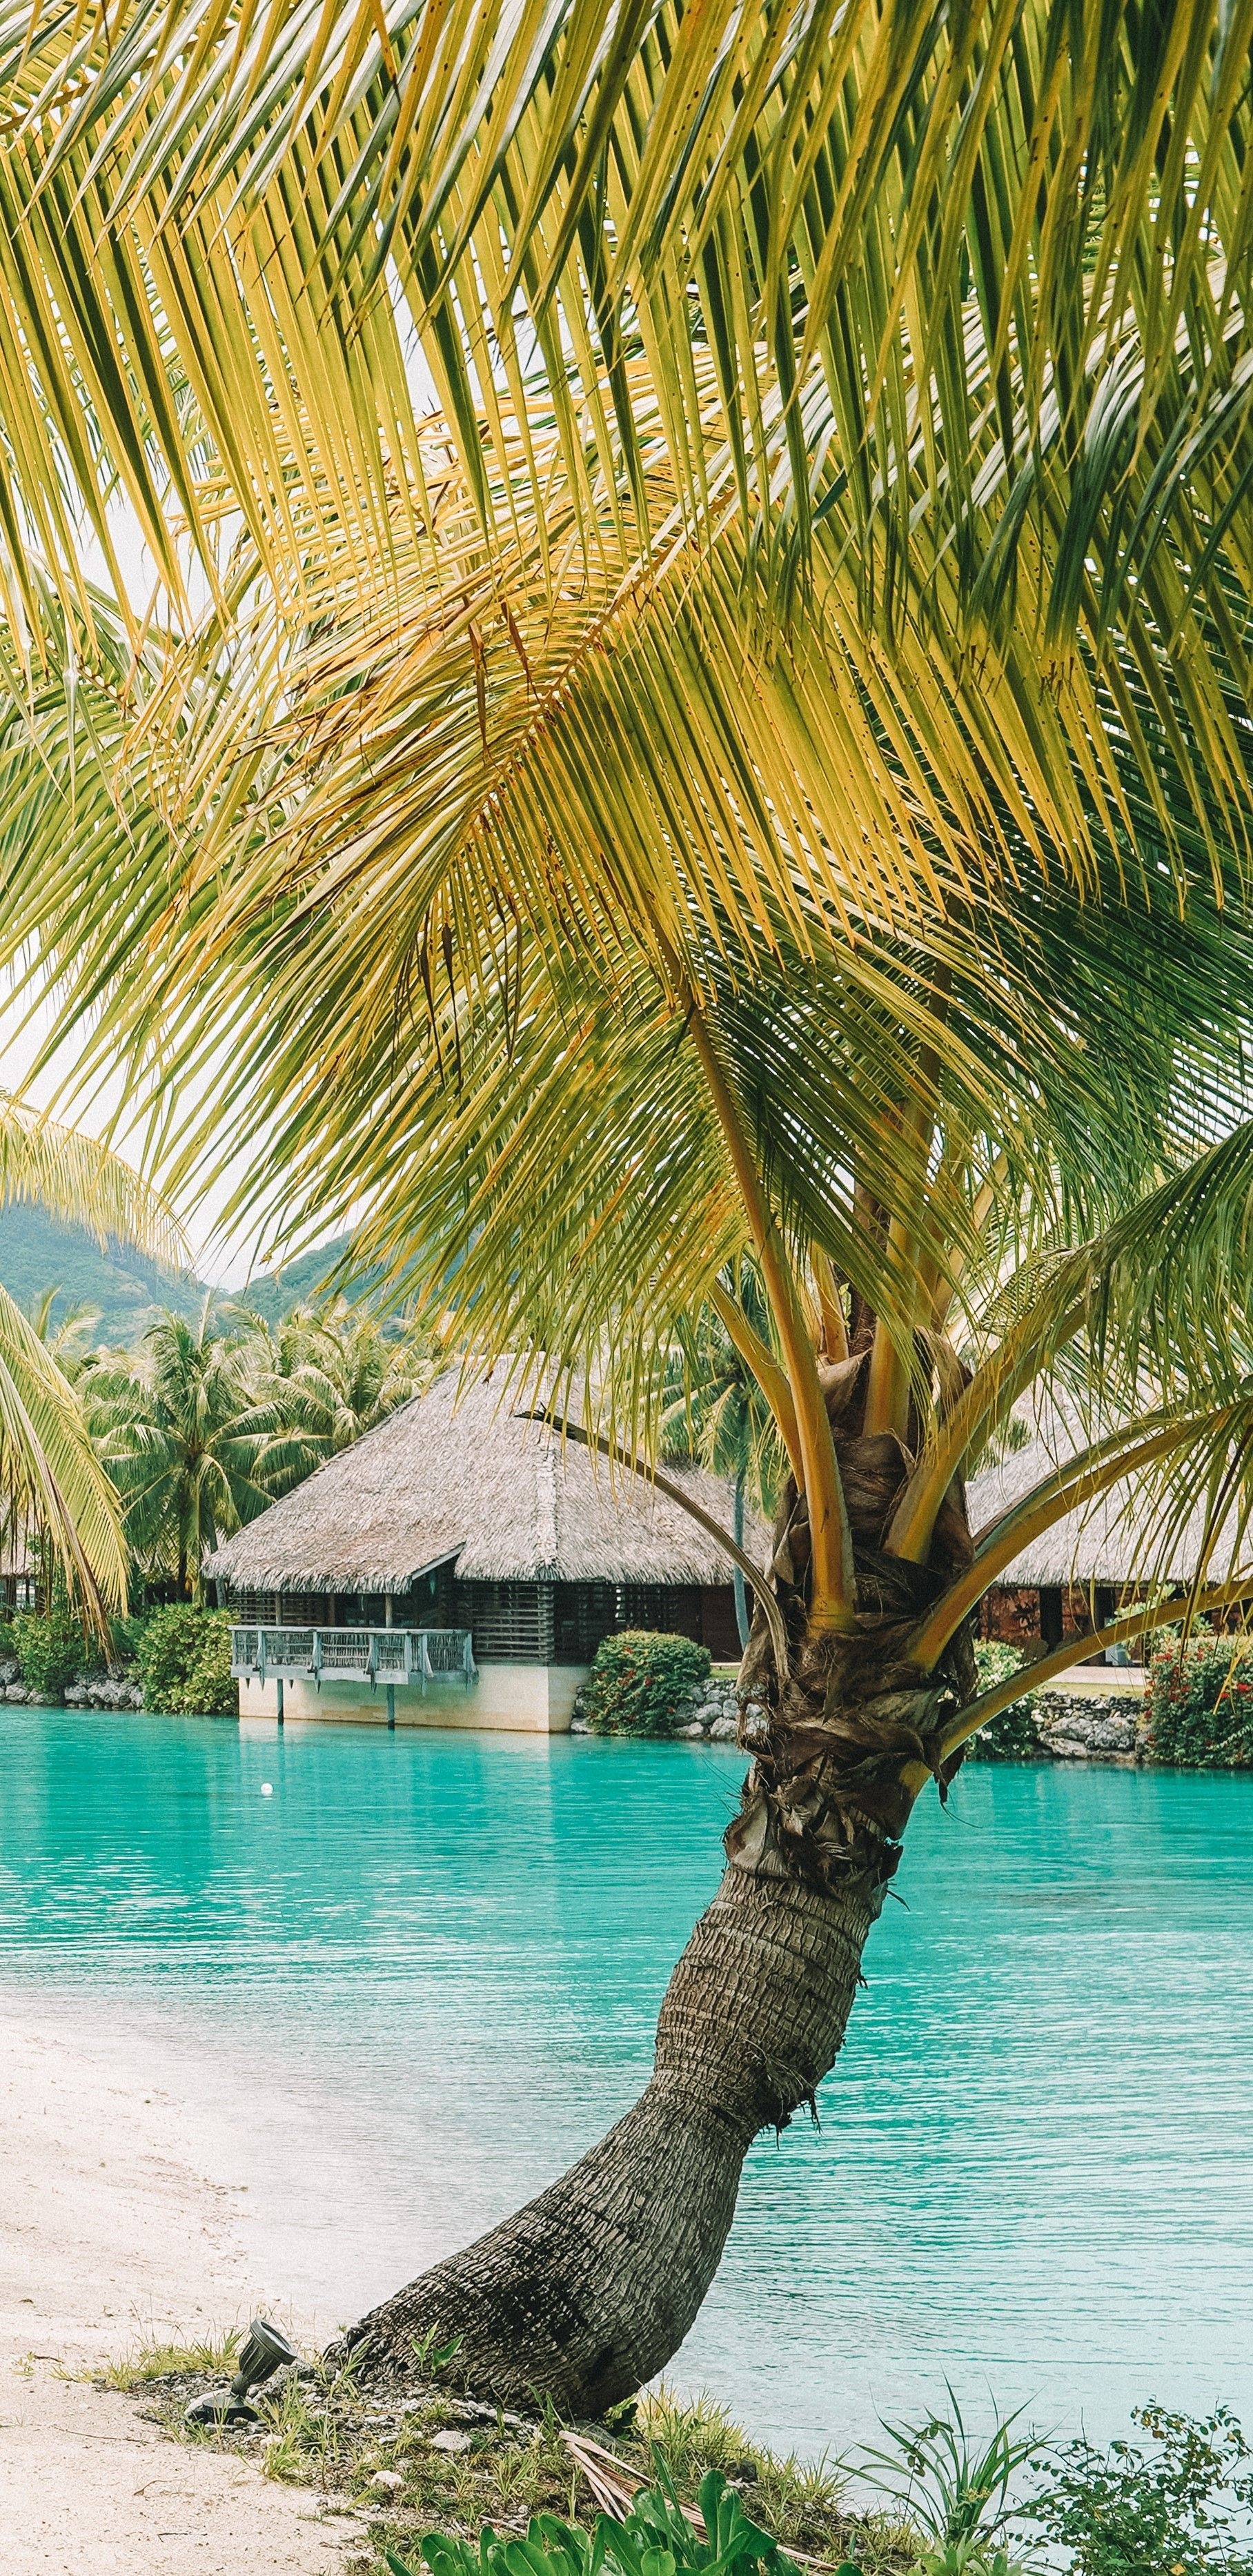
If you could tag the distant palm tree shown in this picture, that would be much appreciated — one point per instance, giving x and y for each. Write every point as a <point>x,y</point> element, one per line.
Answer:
<point>715,1410</point>
<point>183,1436</point>
<point>68,1339</point>
<point>328,1374</point>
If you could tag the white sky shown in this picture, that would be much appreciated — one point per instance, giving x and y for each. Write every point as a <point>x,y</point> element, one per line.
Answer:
<point>223,1258</point>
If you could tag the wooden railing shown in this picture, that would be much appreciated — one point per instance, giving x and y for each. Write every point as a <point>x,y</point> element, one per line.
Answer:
<point>388,1655</point>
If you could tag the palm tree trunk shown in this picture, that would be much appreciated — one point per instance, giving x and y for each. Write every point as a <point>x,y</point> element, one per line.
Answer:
<point>589,2289</point>
<point>586,2292</point>
<point>737,1579</point>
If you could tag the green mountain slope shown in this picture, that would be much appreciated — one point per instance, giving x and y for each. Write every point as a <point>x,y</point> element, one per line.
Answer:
<point>38,1252</point>
<point>273,1293</point>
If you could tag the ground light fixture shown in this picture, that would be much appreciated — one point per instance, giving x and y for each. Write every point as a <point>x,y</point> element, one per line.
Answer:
<point>264,2350</point>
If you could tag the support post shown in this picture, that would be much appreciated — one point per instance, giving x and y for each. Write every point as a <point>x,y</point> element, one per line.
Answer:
<point>389,1621</point>
<point>391,1706</point>
<point>279,1688</point>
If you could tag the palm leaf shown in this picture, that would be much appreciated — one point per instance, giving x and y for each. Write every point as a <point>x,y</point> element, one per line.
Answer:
<point>53,1478</point>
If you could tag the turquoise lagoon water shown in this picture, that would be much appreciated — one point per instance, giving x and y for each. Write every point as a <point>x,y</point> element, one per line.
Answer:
<point>421,1975</point>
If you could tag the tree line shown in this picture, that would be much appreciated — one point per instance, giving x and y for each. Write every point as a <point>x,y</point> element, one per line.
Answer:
<point>210,1418</point>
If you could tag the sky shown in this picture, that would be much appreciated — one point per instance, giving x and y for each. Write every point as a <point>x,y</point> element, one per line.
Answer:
<point>223,1256</point>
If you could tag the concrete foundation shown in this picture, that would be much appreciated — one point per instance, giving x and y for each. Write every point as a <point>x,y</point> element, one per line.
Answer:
<point>521,1699</point>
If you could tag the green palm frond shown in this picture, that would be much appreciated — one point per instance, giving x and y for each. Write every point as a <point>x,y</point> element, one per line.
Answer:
<point>1189,1476</point>
<point>685,521</point>
<point>84,1183</point>
<point>989,388</point>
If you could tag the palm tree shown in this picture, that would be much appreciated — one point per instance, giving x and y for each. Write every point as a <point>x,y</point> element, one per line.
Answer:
<point>716,1410</point>
<point>183,1437</point>
<point>328,1374</point>
<point>69,1339</point>
<point>719,729</point>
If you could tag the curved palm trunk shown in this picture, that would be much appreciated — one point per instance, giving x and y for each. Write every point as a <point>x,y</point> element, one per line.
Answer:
<point>587,2291</point>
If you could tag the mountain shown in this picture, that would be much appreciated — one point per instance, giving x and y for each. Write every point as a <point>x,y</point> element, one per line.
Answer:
<point>127,1290</point>
<point>38,1252</point>
<point>273,1293</point>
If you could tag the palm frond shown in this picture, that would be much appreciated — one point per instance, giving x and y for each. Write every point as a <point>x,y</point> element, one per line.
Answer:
<point>49,1468</point>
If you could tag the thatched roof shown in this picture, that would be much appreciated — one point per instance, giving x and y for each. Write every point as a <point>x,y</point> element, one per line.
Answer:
<point>459,1473</point>
<point>1116,1538</point>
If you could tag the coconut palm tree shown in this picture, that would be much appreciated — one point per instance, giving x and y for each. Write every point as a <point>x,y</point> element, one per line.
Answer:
<point>328,1374</point>
<point>183,1437</point>
<point>696,708</point>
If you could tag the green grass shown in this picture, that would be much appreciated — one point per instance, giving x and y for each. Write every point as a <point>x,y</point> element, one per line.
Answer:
<point>804,2505</point>
<point>377,2453</point>
<point>149,2360</point>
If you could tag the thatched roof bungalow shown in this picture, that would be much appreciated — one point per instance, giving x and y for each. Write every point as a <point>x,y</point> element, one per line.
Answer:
<point>461,1513</point>
<point>1104,1555</point>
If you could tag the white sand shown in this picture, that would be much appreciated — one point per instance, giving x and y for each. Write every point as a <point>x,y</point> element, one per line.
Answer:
<point>111,2229</point>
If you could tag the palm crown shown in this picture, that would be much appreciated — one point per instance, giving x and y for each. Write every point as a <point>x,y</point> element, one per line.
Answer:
<point>696,705</point>
<point>762,666</point>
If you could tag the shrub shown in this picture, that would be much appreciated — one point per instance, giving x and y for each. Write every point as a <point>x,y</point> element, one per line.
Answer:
<point>1121,2513</point>
<point>953,2487</point>
<point>1200,1702</point>
<point>51,1649</point>
<point>126,1634</point>
<point>655,2539</point>
<point>642,1683</point>
<point>185,1662</point>
<point>1011,1737</point>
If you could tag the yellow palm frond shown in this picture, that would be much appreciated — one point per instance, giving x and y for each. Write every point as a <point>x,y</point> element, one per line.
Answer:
<point>84,1183</point>
<point>50,1470</point>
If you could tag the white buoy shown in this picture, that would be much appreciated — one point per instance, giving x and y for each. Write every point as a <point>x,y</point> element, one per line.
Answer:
<point>267,1788</point>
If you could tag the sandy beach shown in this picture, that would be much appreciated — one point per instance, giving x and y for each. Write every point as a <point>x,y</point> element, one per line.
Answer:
<point>115,2227</point>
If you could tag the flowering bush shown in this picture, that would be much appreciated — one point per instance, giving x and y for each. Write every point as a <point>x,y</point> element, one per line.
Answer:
<point>642,1683</point>
<point>1200,1702</point>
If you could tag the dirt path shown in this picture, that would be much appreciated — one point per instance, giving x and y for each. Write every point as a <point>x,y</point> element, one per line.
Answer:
<point>110,2231</point>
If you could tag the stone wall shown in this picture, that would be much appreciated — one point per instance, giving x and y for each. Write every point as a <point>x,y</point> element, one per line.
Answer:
<point>1079,1727</point>
<point>106,1691</point>
<point>714,1711</point>
<point>1065,1726</point>
<point>1074,1726</point>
